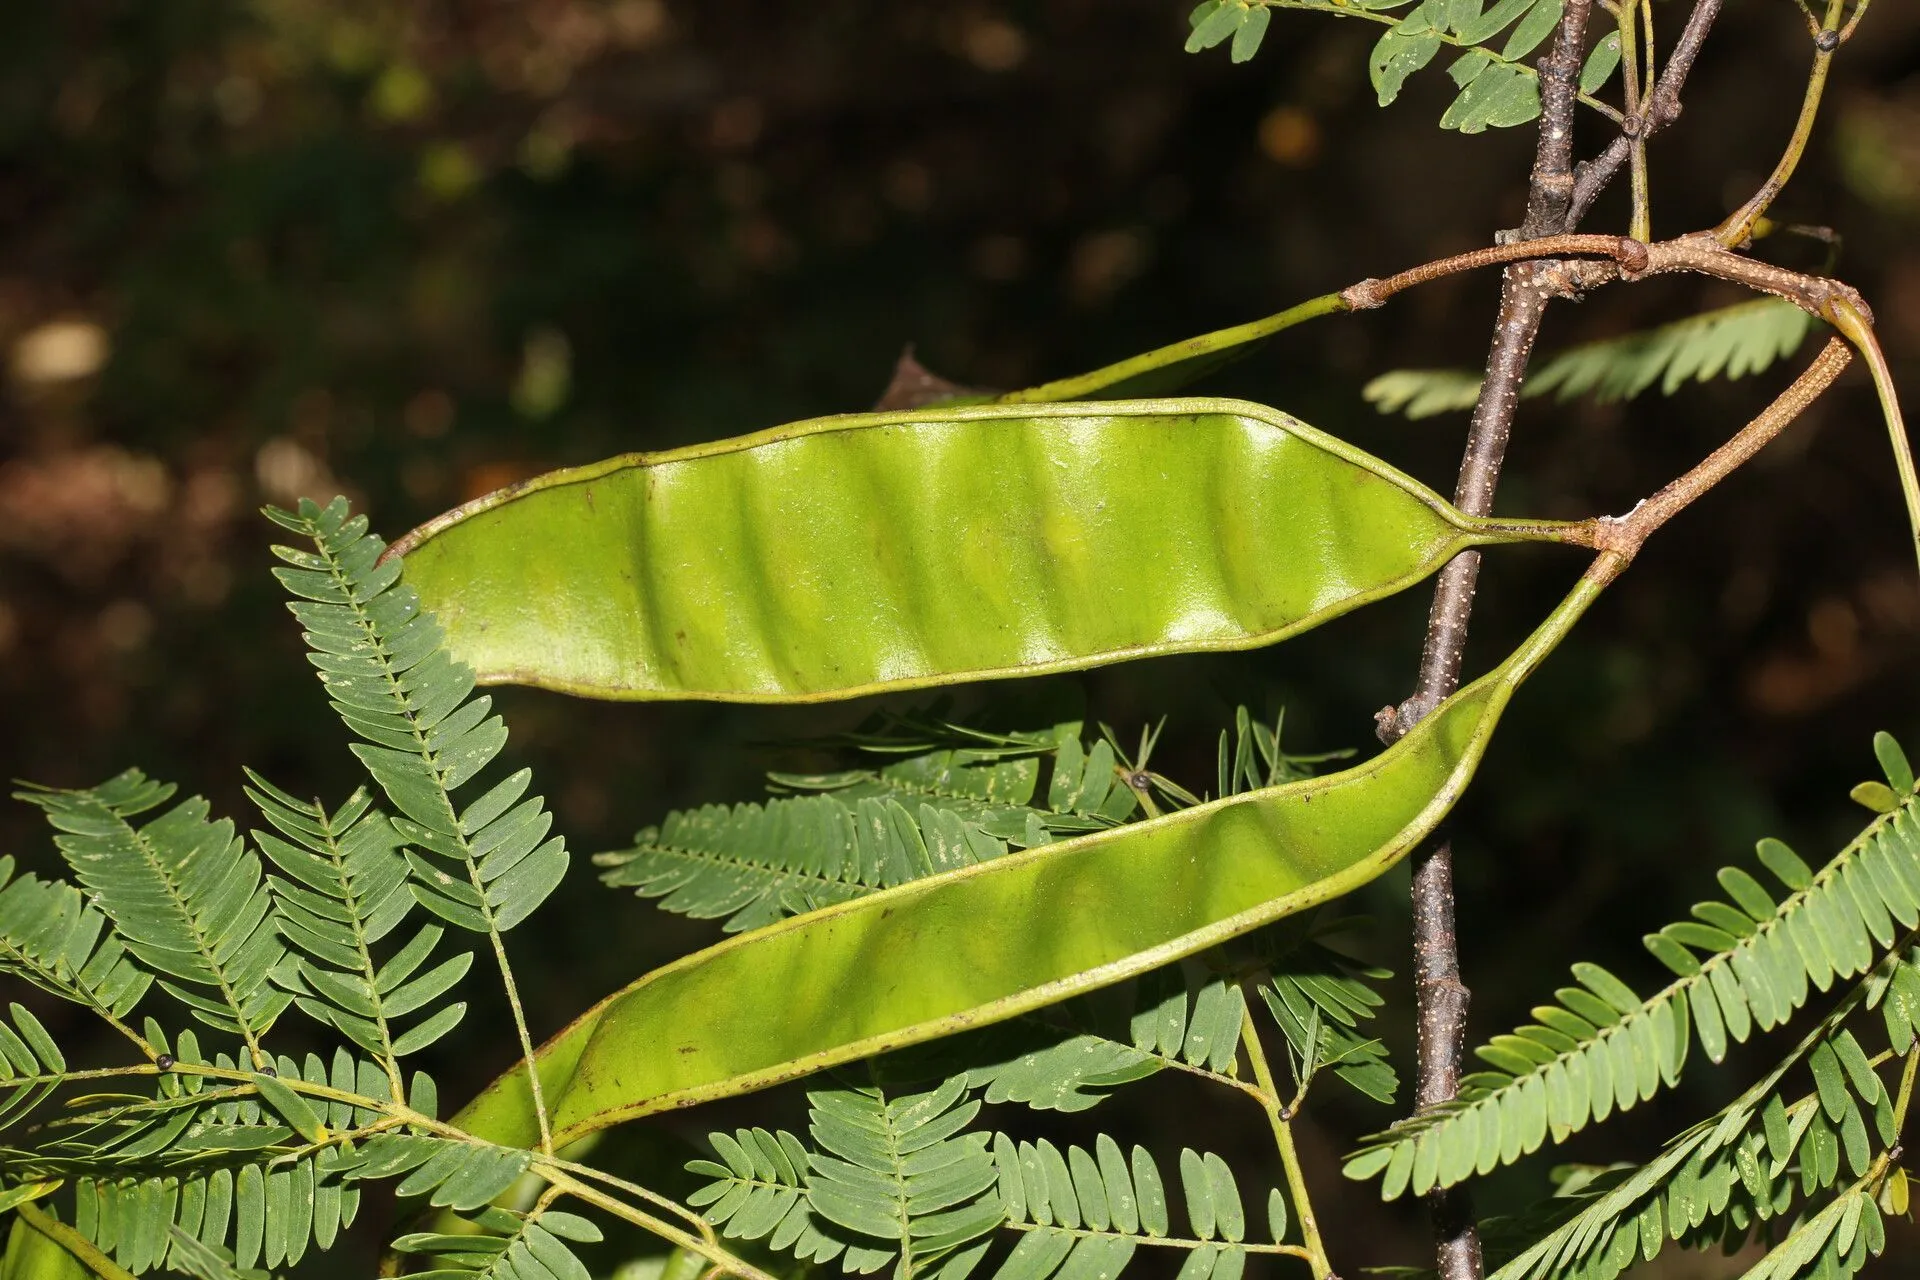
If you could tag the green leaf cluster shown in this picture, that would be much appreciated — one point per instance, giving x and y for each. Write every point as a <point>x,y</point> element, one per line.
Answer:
<point>223,1165</point>
<point>1757,1170</point>
<point>51,936</point>
<point>835,837</point>
<point>1088,1212</point>
<point>901,1180</point>
<point>507,1246</point>
<point>187,898</point>
<point>887,1179</point>
<point>423,735</point>
<point>1496,87</point>
<point>347,889</point>
<point>1743,963</point>
<point>1318,998</point>
<point>219,1160</point>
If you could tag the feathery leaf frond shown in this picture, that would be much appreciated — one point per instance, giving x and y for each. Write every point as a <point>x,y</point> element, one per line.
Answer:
<point>53,939</point>
<point>451,1173</point>
<point>1057,1061</point>
<point>251,1170</point>
<point>511,1246</point>
<point>844,835</point>
<point>1317,998</point>
<point>1837,1242</point>
<point>423,735</point>
<point>1205,1033</point>
<point>1744,963</point>
<point>1086,1212</point>
<point>957,796</point>
<point>484,868</point>
<point>760,1193</point>
<point>1172,1026</point>
<point>346,890</point>
<point>1735,1175</point>
<point>1729,342</point>
<point>886,1179</point>
<point>185,894</point>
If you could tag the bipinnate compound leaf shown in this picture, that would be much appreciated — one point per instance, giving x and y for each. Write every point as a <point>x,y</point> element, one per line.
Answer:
<point>1020,540</point>
<point>204,1171</point>
<point>879,1175</point>
<point>939,954</point>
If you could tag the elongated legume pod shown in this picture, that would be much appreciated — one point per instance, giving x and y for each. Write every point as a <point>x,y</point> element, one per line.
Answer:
<point>999,938</point>
<point>846,555</point>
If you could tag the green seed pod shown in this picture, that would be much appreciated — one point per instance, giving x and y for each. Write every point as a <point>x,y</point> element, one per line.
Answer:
<point>958,950</point>
<point>846,556</point>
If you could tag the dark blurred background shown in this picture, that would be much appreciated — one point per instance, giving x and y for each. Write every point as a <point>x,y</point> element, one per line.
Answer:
<point>253,251</point>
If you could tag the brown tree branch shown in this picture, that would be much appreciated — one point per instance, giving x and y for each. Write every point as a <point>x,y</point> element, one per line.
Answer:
<point>1370,293</point>
<point>1442,998</point>
<point>1660,109</point>
<point>1623,536</point>
<point>1701,253</point>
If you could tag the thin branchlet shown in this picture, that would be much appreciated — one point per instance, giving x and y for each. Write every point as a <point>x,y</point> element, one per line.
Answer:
<point>1441,996</point>
<point>1660,107</point>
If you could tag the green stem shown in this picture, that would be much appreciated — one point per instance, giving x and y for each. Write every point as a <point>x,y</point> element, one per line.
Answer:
<point>519,1014</point>
<point>1859,12</point>
<point>1269,1095</point>
<point>1905,1097</point>
<point>1738,228</point>
<point>422,741</point>
<point>1858,330</point>
<point>73,1242</point>
<point>1167,1242</point>
<point>1641,227</point>
<point>719,1257</point>
<point>699,1223</point>
<point>1165,368</point>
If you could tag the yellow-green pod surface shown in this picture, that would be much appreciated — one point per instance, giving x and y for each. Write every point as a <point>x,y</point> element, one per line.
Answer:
<point>999,938</point>
<point>848,555</point>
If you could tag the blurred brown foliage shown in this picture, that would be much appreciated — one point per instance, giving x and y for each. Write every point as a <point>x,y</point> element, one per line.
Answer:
<point>258,249</point>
